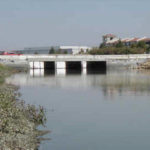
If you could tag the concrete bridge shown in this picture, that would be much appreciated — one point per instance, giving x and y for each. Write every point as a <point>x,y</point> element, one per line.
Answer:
<point>83,61</point>
<point>75,61</point>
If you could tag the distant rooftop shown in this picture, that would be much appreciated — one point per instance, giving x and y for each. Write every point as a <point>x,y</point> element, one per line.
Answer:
<point>113,39</point>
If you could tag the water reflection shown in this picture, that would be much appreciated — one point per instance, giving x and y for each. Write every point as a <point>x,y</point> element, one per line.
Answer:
<point>58,72</point>
<point>91,72</point>
<point>37,72</point>
<point>48,72</point>
<point>113,83</point>
<point>91,111</point>
<point>64,72</point>
<point>61,72</point>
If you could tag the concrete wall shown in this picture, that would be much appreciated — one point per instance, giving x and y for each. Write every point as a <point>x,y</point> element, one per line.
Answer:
<point>112,60</point>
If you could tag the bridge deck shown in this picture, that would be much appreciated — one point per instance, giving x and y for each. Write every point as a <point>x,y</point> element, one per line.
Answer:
<point>76,57</point>
<point>85,57</point>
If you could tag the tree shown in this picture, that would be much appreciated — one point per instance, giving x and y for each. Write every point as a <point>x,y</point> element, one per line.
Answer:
<point>52,50</point>
<point>148,50</point>
<point>59,51</point>
<point>134,45</point>
<point>141,44</point>
<point>87,51</point>
<point>102,45</point>
<point>65,52</point>
<point>81,51</point>
<point>119,44</point>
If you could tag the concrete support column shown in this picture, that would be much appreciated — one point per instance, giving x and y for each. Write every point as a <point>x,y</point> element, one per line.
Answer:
<point>36,65</point>
<point>60,68</point>
<point>84,67</point>
<point>36,72</point>
<point>60,65</point>
<point>41,65</point>
<point>84,71</point>
<point>31,65</point>
<point>84,64</point>
<point>60,72</point>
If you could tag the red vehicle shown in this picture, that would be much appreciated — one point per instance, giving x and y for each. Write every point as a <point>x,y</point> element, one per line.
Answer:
<point>10,53</point>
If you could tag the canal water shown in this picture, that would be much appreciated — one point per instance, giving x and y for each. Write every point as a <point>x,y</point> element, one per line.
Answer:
<point>96,111</point>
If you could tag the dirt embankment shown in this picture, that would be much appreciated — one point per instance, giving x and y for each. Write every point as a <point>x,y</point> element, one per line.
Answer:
<point>145,65</point>
<point>18,121</point>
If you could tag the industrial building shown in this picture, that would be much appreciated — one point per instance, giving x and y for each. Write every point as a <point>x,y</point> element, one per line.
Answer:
<point>55,49</point>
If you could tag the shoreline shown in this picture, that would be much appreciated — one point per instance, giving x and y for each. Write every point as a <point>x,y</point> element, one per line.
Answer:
<point>18,121</point>
<point>144,66</point>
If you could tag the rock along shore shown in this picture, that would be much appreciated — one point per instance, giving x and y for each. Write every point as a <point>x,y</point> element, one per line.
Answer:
<point>145,65</point>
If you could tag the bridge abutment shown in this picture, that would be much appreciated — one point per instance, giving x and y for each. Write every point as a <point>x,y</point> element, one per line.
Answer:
<point>84,64</point>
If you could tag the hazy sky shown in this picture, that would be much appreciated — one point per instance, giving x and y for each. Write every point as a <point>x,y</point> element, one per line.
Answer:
<point>25,23</point>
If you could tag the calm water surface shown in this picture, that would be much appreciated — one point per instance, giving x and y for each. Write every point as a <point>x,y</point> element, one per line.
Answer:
<point>108,111</point>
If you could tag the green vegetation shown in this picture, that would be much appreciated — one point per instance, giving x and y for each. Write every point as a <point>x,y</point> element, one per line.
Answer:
<point>65,52</point>
<point>81,52</point>
<point>58,51</point>
<point>119,44</point>
<point>119,48</point>
<point>148,50</point>
<point>52,50</point>
<point>4,72</point>
<point>18,121</point>
<point>36,53</point>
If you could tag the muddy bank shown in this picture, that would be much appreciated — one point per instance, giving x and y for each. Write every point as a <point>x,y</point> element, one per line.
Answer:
<point>145,65</point>
<point>18,121</point>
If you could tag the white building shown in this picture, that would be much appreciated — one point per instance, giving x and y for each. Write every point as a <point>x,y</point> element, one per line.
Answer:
<point>110,38</point>
<point>75,49</point>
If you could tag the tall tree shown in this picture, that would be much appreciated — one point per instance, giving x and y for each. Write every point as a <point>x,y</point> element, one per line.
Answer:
<point>119,44</point>
<point>52,50</point>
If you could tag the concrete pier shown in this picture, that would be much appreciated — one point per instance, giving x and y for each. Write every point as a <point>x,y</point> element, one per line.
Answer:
<point>60,65</point>
<point>36,65</point>
<point>84,64</point>
<point>68,65</point>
